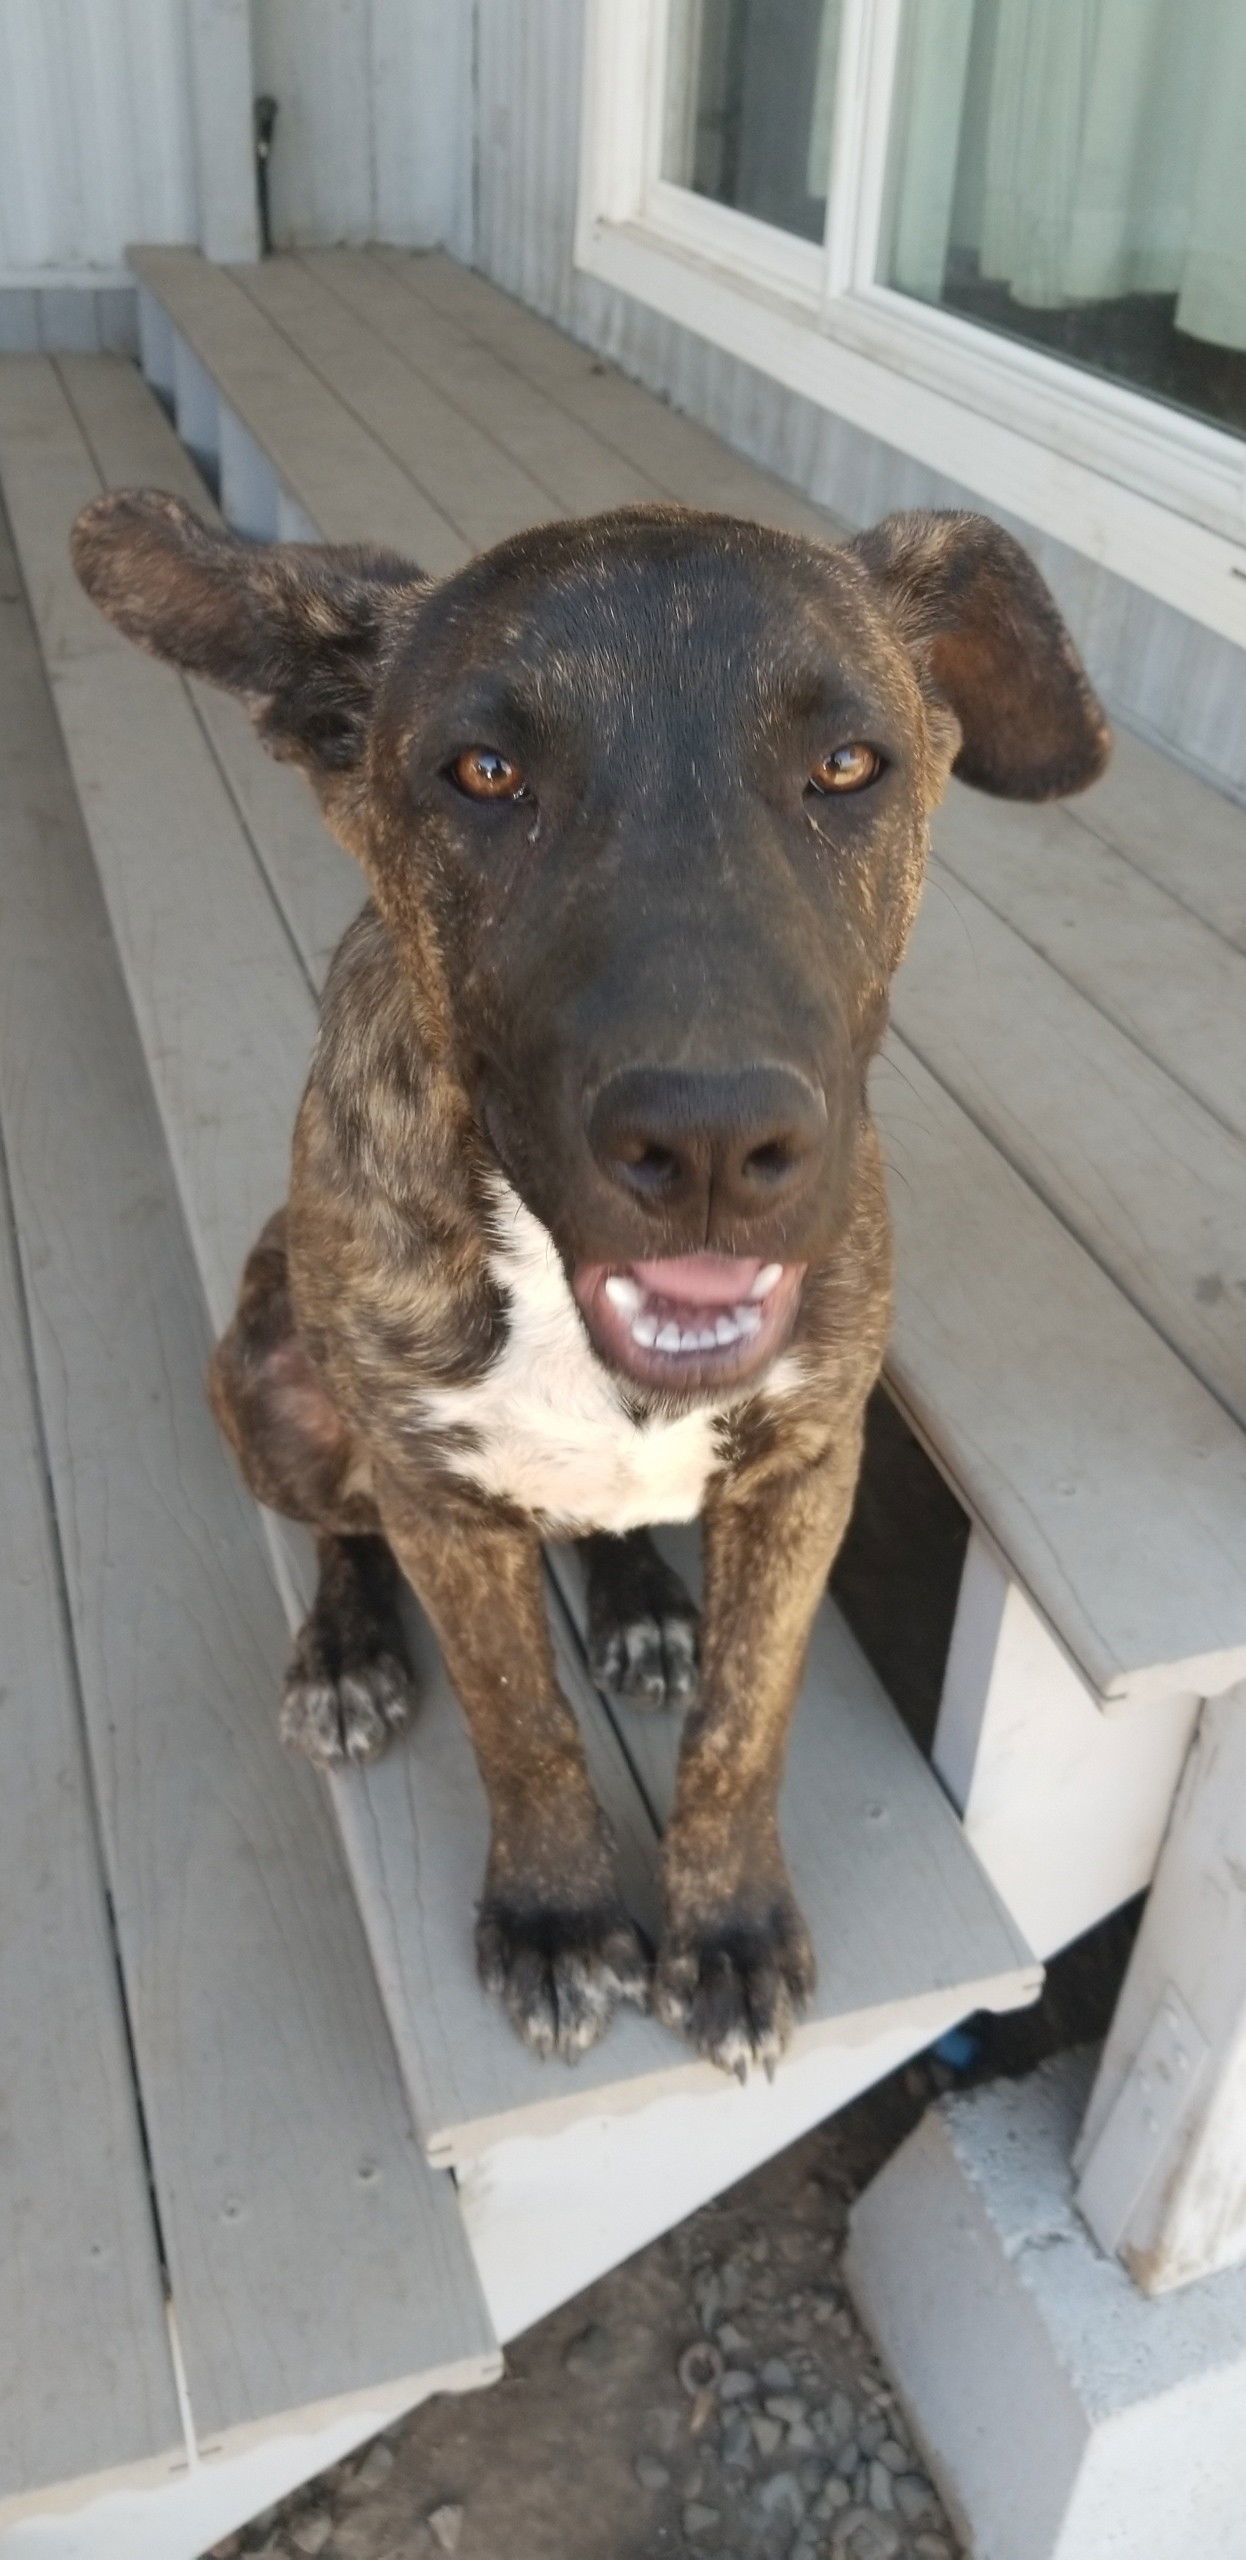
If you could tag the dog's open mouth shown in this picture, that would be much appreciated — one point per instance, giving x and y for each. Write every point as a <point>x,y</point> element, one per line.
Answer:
<point>698,1320</point>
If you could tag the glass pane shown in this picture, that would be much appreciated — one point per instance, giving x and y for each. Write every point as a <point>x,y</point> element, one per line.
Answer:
<point>750,95</point>
<point>1073,172</point>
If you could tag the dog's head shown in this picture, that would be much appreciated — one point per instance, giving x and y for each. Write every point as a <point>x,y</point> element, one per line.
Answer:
<point>644,800</point>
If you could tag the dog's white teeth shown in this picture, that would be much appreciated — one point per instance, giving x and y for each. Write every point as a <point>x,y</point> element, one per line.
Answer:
<point>707,1341</point>
<point>670,1338</point>
<point>726,1331</point>
<point>748,1319</point>
<point>645,1332</point>
<point>766,1280</point>
<point>627,1295</point>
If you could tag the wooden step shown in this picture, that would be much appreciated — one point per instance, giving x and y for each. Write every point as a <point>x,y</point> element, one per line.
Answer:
<point>281,2145</point>
<point>87,2385</point>
<point>1101,1057</point>
<point>218,976</point>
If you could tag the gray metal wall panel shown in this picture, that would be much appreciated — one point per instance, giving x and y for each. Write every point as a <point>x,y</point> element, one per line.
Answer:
<point>373,118</point>
<point>96,139</point>
<point>1179,684</point>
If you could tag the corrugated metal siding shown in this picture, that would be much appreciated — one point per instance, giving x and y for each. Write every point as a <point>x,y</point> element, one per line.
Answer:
<point>374,101</point>
<point>1181,685</point>
<point>97,128</point>
<point>96,140</point>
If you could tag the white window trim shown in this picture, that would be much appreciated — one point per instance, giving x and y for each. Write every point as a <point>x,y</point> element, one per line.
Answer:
<point>1156,497</point>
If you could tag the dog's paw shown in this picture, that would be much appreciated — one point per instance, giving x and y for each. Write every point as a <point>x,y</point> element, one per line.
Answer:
<point>350,1714</point>
<point>643,1625</point>
<point>650,1661</point>
<point>560,1974</point>
<point>736,1988</point>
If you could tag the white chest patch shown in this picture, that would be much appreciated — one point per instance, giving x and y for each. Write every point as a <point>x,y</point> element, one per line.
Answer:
<point>551,1430</point>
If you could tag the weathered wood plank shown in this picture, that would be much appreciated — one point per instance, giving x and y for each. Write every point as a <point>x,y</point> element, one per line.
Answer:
<point>874,1816</point>
<point>86,2374</point>
<point>316,886</point>
<point>1150,1183</point>
<point>684,459</point>
<point>466,473</point>
<point>1146,962</point>
<point>337,471</point>
<point>579,473</point>
<point>1190,838</point>
<point>1112,1483</point>
<point>225,1014</point>
<point>282,2145</point>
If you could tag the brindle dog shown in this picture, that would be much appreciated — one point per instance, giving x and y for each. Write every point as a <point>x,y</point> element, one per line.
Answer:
<point>587,1226</point>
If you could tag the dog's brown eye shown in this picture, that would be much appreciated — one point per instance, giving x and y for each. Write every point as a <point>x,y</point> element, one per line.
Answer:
<point>485,775</point>
<point>845,769</point>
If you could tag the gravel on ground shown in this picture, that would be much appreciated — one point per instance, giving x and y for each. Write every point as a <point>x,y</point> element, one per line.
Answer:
<point>716,2395</point>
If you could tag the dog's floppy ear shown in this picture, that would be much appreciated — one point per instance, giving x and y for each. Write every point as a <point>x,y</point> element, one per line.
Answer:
<point>297,630</point>
<point>987,636</point>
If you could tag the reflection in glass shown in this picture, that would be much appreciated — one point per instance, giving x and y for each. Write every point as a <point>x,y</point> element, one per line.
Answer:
<point>750,95</point>
<point>1073,172</point>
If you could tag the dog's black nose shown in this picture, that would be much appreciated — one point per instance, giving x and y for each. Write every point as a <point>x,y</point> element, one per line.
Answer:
<point>727,1146</point>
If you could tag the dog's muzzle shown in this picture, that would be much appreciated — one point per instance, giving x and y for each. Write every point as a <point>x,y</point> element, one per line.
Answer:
<point>692,1323</point>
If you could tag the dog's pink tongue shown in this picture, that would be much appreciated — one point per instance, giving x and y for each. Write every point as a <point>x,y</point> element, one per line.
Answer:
<point>699,1279</point>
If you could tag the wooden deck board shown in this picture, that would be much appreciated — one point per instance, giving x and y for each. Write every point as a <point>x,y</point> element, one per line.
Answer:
<point>897,1906</point>
<point>1146,962</point>
<point>1136,1168</point>
<point>469,477</point>
<point>86,2373</point>
<point>1112,1483</point>
<point>281,2140</point>
<point>348,484</point>
<point>317,887</point>
<point>579,474</point>
<point>1188,837</point>
<point>686,461</point>
<point>225,1013</point>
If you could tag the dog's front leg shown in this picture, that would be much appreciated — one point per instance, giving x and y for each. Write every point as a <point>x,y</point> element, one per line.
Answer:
<point>735,1965</point>
<point>553,1941</point>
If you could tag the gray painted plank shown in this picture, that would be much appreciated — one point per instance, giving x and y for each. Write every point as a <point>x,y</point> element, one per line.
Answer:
<point>1151,965</point>
<point>282,2144</point>
<point>86,2374</point>
<point>579,473</point>
<point>225,1015</point>
<point>190,912</point>
<point>684,459</point>
<point>897,1905</point>
<point>1189,837</point>
<point>1112,1483</point>
<point>877,1855</point>
<point>317,887</point>
<point>1148,1181</point>
<point>476,485</point>
<point>349,485</point>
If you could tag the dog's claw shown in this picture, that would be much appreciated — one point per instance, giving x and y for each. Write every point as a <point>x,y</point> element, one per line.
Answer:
<point>560,1975</point>
<point>736,1990</point>
<point>352,1717</point>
